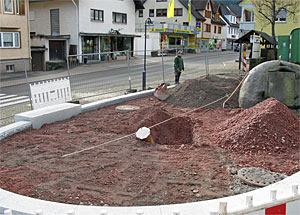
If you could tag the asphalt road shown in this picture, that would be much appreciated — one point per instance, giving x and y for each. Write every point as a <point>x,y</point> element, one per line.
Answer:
<point>113,76</point>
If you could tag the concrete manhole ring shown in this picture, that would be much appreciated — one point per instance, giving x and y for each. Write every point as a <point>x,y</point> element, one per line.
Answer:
<point>126,108</point>
<point>259,177</point>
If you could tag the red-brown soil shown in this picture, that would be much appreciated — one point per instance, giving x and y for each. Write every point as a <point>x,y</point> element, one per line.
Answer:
<point>195,156</point>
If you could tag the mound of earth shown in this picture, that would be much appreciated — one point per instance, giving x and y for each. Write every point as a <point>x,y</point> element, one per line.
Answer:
<point>204,90</point>
<point>108,165</point>
<point>267,128</point>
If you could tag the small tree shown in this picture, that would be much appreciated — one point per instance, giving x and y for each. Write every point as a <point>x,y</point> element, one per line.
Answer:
<point>267,11</point>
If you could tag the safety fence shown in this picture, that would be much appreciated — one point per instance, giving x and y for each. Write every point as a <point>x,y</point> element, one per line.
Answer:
<point>97,76</point>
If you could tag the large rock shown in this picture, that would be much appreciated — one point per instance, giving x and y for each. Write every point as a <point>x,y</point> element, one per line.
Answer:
<point>256,86</point>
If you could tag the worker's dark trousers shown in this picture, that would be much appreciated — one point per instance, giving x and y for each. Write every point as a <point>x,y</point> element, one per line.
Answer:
<point>177,76</point>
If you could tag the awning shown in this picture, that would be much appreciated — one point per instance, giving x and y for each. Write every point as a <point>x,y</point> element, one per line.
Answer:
<point>265,38</point>
<point>108,35</point>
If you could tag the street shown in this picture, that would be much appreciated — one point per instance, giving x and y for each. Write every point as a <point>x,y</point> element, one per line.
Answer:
<point>113,76</point>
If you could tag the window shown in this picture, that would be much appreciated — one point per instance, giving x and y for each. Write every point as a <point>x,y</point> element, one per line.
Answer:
<point>9,39</point>
<point>97,15</point>
<point>178,12</point>
<point>10,68</point>
<point>31,15</point>
<point>185,24</point>
<point>207,27</point>
<point>208,14</point>
<point>119,17</point>
<point>151,12</point>
<point>20,7</point>
<point>219,30</point>
<point>215,30</point>
<point>54,21</point>
<point>8,6</point>
<point>161,12</point>
<point>281,17</point>
<point>141,13</point>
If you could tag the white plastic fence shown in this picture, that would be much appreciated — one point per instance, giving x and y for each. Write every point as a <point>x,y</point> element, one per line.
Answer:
<point>50,92</point>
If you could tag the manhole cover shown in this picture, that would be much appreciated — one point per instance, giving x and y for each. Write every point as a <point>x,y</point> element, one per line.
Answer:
<point>126,108</point>
<point>259,177</point>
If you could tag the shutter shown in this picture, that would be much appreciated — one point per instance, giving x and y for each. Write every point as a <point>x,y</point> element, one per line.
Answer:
<point>54,19</point>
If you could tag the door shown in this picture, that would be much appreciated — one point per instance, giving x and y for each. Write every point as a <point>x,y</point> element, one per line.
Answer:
<point>57,50</point>
<point>283,47</point>
<point>37,60</point>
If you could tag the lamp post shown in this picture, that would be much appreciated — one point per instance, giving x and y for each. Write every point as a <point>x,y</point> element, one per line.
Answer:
<point>147,22</point>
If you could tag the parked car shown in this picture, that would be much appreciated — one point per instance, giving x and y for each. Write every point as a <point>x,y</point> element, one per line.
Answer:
<point>237,48</point>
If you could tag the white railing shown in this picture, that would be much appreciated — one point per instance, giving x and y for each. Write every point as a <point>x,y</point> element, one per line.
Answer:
<point>50,92</point>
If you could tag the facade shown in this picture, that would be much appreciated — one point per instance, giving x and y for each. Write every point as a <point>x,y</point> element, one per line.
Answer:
<point>284,24</point>
<point>14,35</point>
<point>211,36</point>
<point>167,33</point>
<point>231,29</point>
<point>65,28</point>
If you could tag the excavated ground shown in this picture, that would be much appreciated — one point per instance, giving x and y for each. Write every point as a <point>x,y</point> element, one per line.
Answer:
<point>195,157</point>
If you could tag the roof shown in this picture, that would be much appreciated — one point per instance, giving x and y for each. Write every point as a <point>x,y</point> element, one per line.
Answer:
<point>266,38</point>
<point>236,9</point>
<point>229,2</point>
<point>197,15</point>
<point>199,4</point>
<point>218,22</point>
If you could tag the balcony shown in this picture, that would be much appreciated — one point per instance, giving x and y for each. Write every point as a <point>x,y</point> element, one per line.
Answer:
<point>246,26</point>
<point>169,27</point>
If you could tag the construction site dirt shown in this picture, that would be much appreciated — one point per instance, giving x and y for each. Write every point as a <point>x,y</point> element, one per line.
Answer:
<point>195,156</point>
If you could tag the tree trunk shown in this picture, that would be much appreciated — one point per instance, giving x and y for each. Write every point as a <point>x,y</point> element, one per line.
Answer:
<point>274,40</point>
<point>273,29</point>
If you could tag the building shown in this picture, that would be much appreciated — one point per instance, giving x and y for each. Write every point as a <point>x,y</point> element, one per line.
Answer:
<point>247,21</point>
<point>14,35</point>
<point>72,27</point>
<point>167,33</point>
<point>211,36</point>
<point>231,29</point>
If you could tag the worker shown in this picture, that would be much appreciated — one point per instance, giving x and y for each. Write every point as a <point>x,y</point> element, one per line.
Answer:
<point>178,66</point>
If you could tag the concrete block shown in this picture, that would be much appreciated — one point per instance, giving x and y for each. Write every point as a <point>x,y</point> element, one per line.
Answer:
<point>14,128</point>
<point>49,114</point>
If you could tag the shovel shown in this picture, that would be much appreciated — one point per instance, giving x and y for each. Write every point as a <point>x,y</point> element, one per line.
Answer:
<point>161,92</point>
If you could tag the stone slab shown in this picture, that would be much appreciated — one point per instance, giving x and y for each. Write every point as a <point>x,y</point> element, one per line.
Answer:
<point>49,114</point>
<point>259,177</point>
<point>126,108</point>
<point>14,128</point>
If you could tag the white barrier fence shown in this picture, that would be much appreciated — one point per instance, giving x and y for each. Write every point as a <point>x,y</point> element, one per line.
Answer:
<point>50,92</point>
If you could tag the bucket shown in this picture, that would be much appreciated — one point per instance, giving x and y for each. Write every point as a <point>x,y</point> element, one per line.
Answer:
<point>144,134</point>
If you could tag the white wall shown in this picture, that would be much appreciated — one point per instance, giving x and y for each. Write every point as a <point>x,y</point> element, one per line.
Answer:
<point>108,6</point>
<point>152,4</point>
<point>67,18</point>
<point>153,41</point>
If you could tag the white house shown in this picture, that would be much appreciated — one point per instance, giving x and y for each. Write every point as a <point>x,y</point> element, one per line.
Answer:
<point>231,29</point>
<point>82,26</point>
<point>168,33</point>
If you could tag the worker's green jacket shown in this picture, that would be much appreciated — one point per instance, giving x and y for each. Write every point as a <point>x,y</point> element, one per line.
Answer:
<point>178,63</point>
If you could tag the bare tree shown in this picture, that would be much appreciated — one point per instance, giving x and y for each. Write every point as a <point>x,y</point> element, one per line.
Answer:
<point>268,11</point>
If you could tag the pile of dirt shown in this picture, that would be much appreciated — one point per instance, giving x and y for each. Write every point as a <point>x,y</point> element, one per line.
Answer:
<point>204,90</point>
<point>267,128</point>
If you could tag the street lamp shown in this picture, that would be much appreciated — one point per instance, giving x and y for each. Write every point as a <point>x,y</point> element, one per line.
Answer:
<point>148,22</point>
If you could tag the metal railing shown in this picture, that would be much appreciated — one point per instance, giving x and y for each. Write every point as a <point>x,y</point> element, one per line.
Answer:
<point>97,76</point>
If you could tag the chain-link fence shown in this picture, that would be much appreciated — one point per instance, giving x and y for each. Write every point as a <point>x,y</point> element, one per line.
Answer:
<point>98,76</point>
